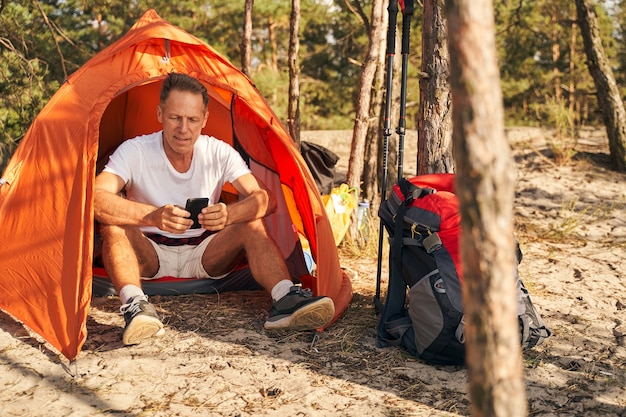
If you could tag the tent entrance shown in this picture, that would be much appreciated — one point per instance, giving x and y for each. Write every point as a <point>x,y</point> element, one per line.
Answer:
<point>133,113</point>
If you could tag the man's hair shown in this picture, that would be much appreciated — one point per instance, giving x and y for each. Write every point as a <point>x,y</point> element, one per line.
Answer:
<point>183,82</point>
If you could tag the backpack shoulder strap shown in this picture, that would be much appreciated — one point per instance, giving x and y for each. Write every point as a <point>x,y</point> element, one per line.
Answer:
<point>394,321</point>
<point>411,191</point>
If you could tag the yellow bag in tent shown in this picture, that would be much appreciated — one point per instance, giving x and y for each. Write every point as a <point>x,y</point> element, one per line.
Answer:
<point>339,205</point>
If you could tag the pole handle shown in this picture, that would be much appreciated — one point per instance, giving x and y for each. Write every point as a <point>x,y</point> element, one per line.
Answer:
<point>407,13</point>
<point>391,31</point>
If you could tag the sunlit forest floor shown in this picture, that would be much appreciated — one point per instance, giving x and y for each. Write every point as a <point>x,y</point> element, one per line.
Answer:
<point>216,360</point>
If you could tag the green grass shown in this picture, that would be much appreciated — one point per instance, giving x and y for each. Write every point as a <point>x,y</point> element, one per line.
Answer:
<point>576,216</point>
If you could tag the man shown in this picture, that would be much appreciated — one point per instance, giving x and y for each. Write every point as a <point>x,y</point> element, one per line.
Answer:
<point>148,233</point>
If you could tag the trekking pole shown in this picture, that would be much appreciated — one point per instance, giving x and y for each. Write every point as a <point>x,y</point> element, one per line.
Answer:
<point>407,13</point>
<point>391,50</point>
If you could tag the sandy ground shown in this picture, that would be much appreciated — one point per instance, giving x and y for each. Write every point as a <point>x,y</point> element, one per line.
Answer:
<point>216,360</point>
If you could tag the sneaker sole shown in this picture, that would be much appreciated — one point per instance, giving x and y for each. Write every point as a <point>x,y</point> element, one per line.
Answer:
<point>142,328</point>
<point>310,317</point>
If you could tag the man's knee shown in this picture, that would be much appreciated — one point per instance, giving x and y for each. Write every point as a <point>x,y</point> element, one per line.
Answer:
<point>122,242</point>
<point>121,235</point>
<point>252,230</point>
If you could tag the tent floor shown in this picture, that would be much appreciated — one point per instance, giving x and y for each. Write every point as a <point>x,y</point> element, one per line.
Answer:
<point>237,280</point>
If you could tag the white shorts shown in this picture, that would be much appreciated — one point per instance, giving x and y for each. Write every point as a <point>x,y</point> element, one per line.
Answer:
<point>184,261</point>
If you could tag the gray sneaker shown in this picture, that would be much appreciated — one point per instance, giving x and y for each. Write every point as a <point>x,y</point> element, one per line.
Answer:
<point>142,321</point>
<point>299,310</point>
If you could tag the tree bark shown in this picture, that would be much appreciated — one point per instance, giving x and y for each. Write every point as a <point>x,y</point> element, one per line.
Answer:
<point>572,79</point>
<point>607,90</point>
<point>246,43</point>
<point>362,117</point>
<point>434,124</point>
<point>556,55</point>
<point>484,184</point>
<point>293,107</point>
<point>376,125</point>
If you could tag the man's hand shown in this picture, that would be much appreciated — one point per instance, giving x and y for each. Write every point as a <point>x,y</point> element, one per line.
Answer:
<point>170,218</point>
<point>214,217</point>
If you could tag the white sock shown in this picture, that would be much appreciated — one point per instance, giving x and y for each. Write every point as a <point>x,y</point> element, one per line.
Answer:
<point>129,291</point>
<point>281,289</point>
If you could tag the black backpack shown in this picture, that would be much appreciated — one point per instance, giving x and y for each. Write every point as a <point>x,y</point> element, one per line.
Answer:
<point>423,221</point>
<point>322,163</point>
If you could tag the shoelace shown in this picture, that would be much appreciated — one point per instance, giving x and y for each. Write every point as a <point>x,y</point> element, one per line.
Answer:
<point>305,292</point>
<point>133,307</point>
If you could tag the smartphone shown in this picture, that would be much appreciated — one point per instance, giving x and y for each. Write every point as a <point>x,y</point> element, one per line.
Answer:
<point>195,206</point>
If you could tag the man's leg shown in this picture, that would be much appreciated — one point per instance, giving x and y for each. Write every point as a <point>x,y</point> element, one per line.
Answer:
<point>234,242</point>
<point>128,255</point>
<point>292,307</point>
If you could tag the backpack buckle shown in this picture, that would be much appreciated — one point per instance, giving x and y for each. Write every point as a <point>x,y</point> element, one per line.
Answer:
<point>432,243</point>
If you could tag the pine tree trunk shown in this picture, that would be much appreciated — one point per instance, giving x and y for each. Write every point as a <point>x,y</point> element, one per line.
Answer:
<point>556,55</point>
<point>246,43</point>
<point>434,124</point>
<point>361,121</point>
<point>607,89</point>
<point>374,135</point>
<point>293,107</point>
<point>484,183</point>
<point>362,117</point>
<point>572,79</point>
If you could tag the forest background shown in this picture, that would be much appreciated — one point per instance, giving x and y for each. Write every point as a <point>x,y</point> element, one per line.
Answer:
<point>544,77</point>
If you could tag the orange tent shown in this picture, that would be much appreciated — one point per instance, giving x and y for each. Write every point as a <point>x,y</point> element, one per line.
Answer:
<point>46,191</point>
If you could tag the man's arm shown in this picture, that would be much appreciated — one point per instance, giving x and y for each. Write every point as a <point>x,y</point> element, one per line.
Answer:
<point>111,208</point>
<point>255,202</point>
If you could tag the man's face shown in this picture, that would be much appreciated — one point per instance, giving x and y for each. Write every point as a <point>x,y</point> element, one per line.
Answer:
<point>183,116</point>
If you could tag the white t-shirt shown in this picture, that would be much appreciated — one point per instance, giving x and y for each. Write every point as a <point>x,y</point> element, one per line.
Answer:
<point>150,177</point>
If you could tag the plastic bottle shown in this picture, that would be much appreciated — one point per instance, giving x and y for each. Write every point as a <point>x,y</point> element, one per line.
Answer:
<point>363,216</point>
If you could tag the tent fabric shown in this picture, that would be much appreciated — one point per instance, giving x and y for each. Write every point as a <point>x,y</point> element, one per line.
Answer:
<point>46,196</point>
